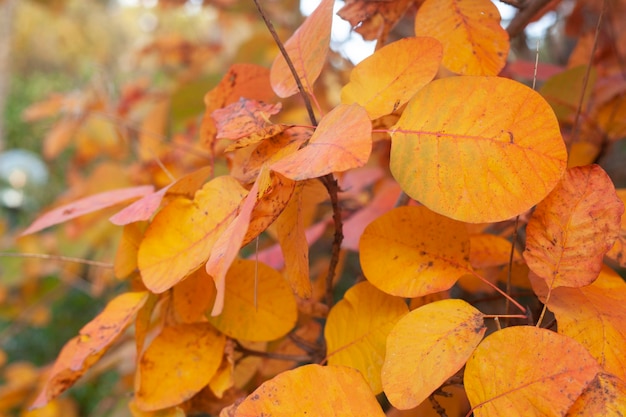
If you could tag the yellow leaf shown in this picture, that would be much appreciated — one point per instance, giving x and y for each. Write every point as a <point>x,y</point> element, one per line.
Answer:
<point>180,238</point>
<point>275,312</point>
<point>573,227</point>
<point>357,328</point>
<point>167,412</point>
<point>528,372</point>
<point>387,79</point>
<point>94,339</point>
<point>411,251</point>
<point>428,346</point>
<point>604,396</point>
<point>340,392</point>
<point>477,149</point>
<point>193,297</point>
<point>342,141</point>
<point>126,255</point>
<point>179,362</point>
<point>594,315</point>
<point>307,49</point>
<point>473,41</point>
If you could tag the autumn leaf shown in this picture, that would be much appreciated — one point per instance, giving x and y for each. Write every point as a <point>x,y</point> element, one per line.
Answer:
<point>343,392</point>
<point>477,149</point>
<point>411,251</point>
<point>167,377</point>
<point>86,205</point>
<point>473,41</point>
<point>374,19</point>
<point>93,340</point>
<point>243,118</point>
<point>181,235</point>
<point>341,141</point>
<point>126,255</point>
<point>193,297</point>
<point>618,251</point>
<point>258,303</point>
<point>604,396</point>
<point>428,346</point>
<point>307,49</point>
<point>594,315</point>
<point>547,375</point>
<point>573,227</point>
<point>564,91</point>
<point>357,328</point>
<point>387,79</point>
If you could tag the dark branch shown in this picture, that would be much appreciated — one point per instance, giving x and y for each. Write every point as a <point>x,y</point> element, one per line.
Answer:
<point>524,16</point>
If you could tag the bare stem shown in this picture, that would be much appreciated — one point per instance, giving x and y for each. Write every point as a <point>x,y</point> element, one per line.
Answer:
<point>333,189</point>
<point>60,258</point>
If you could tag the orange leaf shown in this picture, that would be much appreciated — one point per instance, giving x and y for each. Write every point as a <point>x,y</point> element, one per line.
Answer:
<point>428,346</point>
<point>357,328</point>
<point>86,205</point>
<point>477,149</point>
<point>341,392</point>
<point>243,118</point>
<point>272,315</point>
<point>618,251</point>
<point>180,238</point>
<point>307,49</point>
<point>193,297</point>
<point>387,79</point>
<point>548,372</point>
<point>594,315</point>
<point>343,140</point>
<point>604,396</point>
<point>573,227</point>
<point>94,339</point>
<point>374,19</point>
<point>179,362</point>
<point>411,251</point>
<point>473,41</point>
<point>126,255</point>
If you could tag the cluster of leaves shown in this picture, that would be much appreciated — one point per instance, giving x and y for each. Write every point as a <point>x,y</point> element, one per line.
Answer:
<point>428,164</point>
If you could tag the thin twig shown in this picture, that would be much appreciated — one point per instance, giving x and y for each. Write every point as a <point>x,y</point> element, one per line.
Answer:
<point>333,189</point>
<point>524,16</point>
<point>60,258</point>
<point>436,406</point>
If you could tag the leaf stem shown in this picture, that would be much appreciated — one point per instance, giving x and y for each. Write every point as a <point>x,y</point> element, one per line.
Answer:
<point>495,287</point>
<point>60,258</point>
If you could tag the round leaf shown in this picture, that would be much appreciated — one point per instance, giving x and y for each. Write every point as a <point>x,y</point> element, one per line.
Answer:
<point>477,149</point>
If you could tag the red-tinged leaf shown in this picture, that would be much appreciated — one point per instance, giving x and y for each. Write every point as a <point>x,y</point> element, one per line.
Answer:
<point>594,315</point>
<point>257,312</point>
<point>87,205</point>
<point>604,396</point>
<point>473,41</point>
<point>180,237</point>
<point>573,227</point>
<point>618,252</point>
<point>386,80</point>
<point>227,246</point>
<point>374,19</point>
<point>357,327</point>
<point>307,49</point>
<point>179,362</point>
<point>342,141</point>
<point>342,392</point>
<point>94,339</point>
<point>529,70</point>
<point>548,372</point>
<point>243,118</point>
<point>411,251</point>
<point>428,346</point>
<point>477,149</point>
<point>256,137</point>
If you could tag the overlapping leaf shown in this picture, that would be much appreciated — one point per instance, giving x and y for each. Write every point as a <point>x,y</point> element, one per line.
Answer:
<point>307,49</point>
<point>357,328</point>
<point>428,346</point>
<point>181,235</point>
<point>477,149</point>
<point>243,118</point>
<point>548,372</point>
<point>473,41</point>
<point>257,312</point>
<point>387,79</point>
<point>411,251</point>
<point>573,227</point>
<point>343,140</point>
<point>179,362</point>
<point>81,352</point>
<point>604,396</point>
<point>563,91</point>
<point>342,392</point>
<point>618,251</point>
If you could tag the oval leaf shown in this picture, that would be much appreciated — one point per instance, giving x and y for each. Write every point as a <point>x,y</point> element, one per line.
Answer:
<point>274,312</point>
<point>357,328</point>
<point>411,251</point>
<point>428,346</point>
<point>387,79</point>
<point>547,375</point>
<point>573,227</point>
<point>604,396</point>
<point>179,362</point>
<point>340,392</point>
<point>343,140</point>
<point>307,49</point>
<point>477,149</point>
<point>473,41</point>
